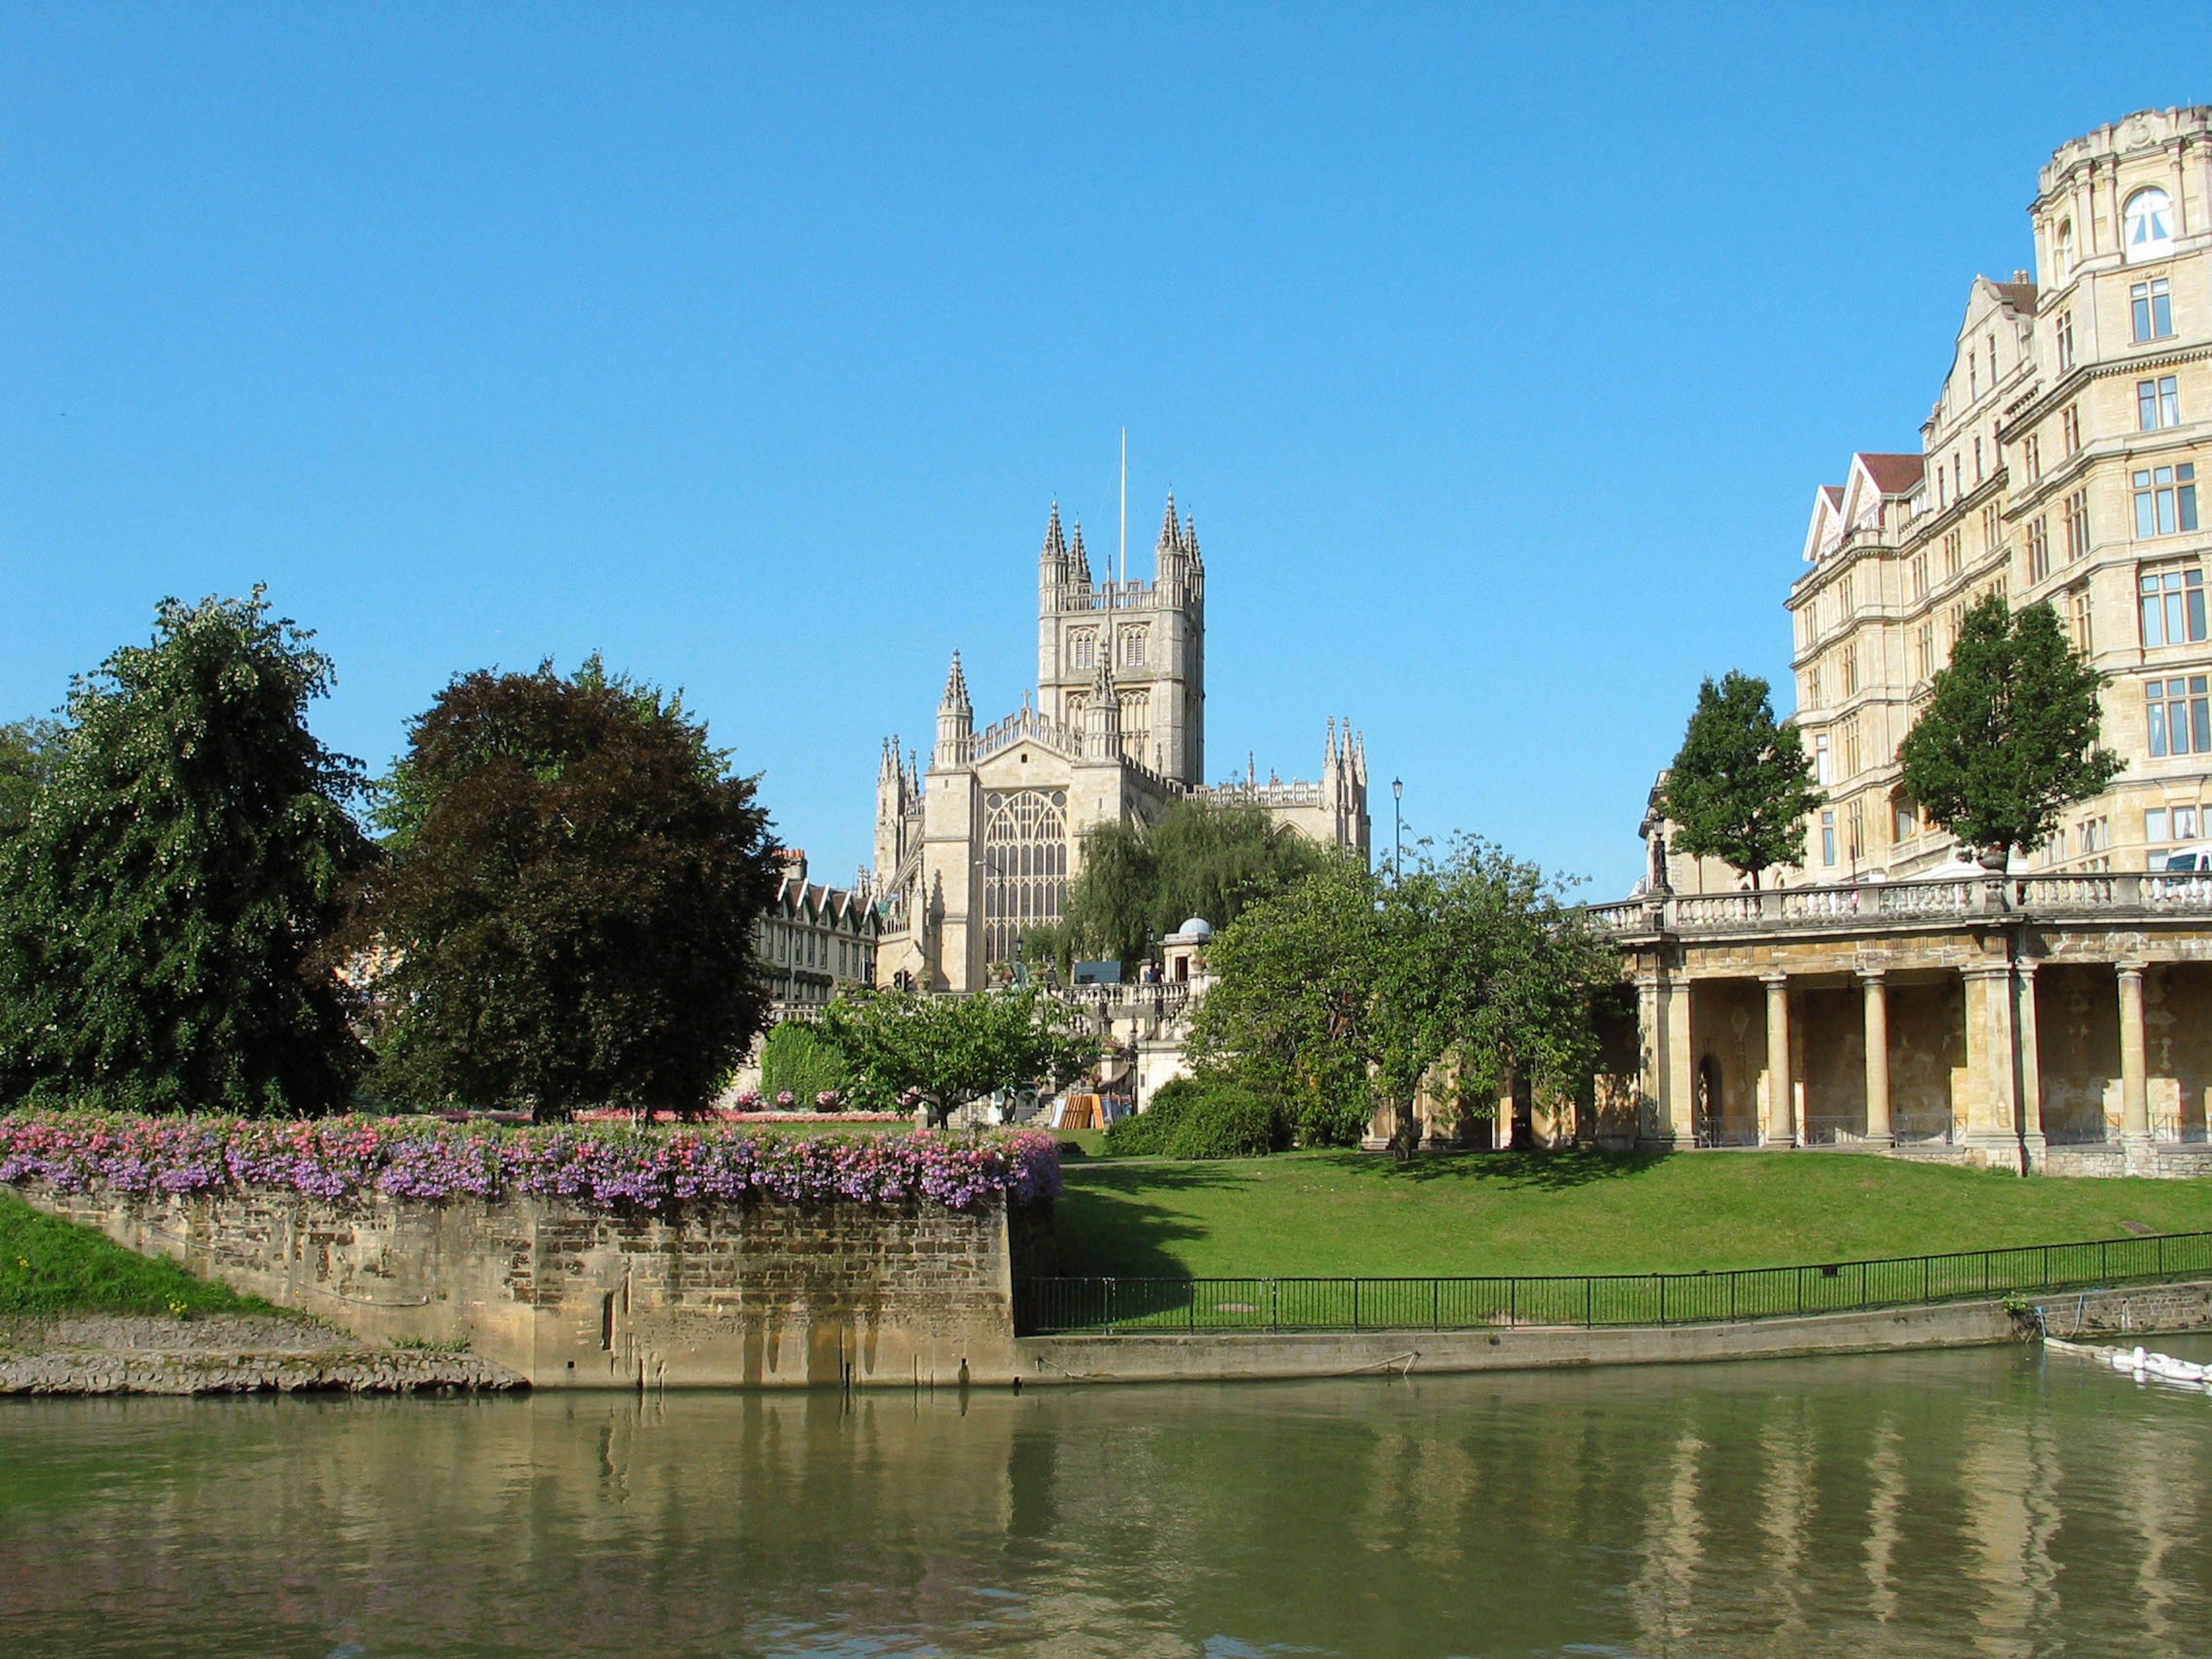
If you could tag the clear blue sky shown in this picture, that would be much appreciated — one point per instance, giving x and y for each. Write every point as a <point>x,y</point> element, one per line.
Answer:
<point>1497,351</point>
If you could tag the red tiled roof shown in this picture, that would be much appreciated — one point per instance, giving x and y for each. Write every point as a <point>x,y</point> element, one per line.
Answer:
<point>2018,296</point>
<point>1834,493</point>
<point>1893,475</point>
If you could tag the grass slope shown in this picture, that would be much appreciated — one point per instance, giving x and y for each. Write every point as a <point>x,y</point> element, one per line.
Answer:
<point>1341,1213</point>
<point>49,1266</point>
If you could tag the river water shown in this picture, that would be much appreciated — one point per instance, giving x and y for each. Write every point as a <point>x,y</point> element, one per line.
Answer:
<point>1988,1502</point>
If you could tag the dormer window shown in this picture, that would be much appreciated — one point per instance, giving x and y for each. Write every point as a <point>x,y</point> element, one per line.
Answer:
<point>2148,224</point>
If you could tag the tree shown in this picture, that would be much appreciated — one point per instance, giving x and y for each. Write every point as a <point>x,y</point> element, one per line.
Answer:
<point>798,1061</point>
<point>1139,881</point>
<point>1741,785</point>
<point>2009,739</point>
<point>28,750</point>
<point>946,1051</point>
<point>162,906</point>
<point>567,916</point>
<point>1354,990</point>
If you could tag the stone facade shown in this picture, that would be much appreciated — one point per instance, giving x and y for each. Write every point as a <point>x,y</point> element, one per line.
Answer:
<point>815,940</point>
<point>2040,1022</point>
<point>980,848</point>
<point>2060,465</point>
<point>565,1294</point>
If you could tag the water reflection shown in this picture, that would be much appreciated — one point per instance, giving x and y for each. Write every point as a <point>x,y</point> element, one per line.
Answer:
<point>1976,1502</point>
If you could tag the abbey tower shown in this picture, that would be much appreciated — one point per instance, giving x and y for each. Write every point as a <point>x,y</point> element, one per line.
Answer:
<point>978,847</point>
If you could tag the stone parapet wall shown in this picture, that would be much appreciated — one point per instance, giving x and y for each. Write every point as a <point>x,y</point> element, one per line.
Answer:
<point>567,1293</point>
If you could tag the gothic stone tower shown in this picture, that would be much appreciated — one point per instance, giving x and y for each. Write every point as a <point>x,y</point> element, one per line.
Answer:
<point>1151,635</point>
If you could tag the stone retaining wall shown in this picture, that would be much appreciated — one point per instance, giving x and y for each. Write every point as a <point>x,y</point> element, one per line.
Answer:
<point>564,1293</point>
<point>225,1354</point>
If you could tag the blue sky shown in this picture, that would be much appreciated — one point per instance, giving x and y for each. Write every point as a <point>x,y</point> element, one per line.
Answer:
<point>1498,351</point>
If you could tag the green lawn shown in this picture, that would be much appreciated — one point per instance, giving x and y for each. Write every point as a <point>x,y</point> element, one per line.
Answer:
<point>49,1266</point>
<point>1340,1213</point>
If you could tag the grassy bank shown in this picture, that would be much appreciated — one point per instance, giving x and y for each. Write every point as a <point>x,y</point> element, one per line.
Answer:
<point>1351,1214</point>
<point>51,1267</point>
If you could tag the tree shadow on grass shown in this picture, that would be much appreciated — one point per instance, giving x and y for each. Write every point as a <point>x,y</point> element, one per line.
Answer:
<point>1105,1226</point>
<point>1521,1168</point>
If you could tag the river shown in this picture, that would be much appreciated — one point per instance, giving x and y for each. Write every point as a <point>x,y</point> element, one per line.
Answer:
<point>1994,1501</point>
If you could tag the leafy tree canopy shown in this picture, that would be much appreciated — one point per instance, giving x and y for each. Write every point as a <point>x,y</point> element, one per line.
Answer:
<point>567,915</point>
<point>1349,989</point>
<point>2009,739</point>
<point>1139,881</point>
<point>161,905</point>
<point>1741,785</point>
<point>945,1051</point>
<point>798,1061</point>
<point>28,750</point>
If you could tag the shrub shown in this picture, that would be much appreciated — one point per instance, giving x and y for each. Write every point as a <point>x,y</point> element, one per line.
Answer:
<point>1199,1118</point>
<point>798,1062</point>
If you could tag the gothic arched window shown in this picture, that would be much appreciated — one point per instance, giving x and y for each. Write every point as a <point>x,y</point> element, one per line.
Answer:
<point>2150,221</point>
<point>1025,865</point>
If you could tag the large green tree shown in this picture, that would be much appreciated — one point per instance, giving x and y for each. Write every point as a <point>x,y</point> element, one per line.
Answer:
<point>1139,881</point>
<point>565,916</point>
<point>2009,739</point>
<point>28,750</point>
<point>1742,783</point>
<point>161,905</point>
<point>944,1051</point>
<point>1349,989</point>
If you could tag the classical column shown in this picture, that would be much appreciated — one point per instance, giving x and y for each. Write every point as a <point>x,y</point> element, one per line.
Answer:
<point>1681,1079</point>
<point>1781,1116</point>
<point>2135,1084</point>
<point>1991,1121</point>
<point>2031,1066</point>
<point>1650,1023</point>
<point>1874,992</point>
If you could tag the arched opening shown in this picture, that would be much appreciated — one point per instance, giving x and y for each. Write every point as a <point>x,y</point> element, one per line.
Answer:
<point>2147,221</point>
<point>1024,867</point>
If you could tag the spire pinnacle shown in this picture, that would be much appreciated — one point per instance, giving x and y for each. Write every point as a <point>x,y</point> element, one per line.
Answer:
<point>1170,534</point>
<point>956,688</point>
<point>1055,545</point>
<point>1080,558</point>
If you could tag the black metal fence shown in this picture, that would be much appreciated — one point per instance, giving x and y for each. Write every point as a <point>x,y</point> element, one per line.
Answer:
<point>1054,1306</point>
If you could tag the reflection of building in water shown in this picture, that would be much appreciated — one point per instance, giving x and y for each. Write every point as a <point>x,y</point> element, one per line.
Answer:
<point>979,848</point>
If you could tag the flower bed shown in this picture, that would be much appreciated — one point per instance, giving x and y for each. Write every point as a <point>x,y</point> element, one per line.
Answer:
<point>610,1166</point>
<point>765,1116</point>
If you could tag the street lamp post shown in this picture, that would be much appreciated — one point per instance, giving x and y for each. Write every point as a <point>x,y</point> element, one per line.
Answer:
<point>1397,828</point>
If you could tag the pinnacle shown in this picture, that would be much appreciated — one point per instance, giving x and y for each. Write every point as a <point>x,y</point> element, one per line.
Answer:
<point>1055,546</point>
<point>1082,559</point>
<point>956,687</point>
<point>1170,536</point>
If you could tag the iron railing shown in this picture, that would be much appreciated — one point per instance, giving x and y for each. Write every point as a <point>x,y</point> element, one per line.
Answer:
<point>1107,1306</point>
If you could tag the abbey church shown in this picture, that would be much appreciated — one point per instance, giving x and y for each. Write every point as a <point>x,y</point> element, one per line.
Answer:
<point>979,847</point>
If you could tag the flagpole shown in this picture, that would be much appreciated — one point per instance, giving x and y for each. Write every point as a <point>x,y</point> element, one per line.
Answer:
<point>1125,504</point>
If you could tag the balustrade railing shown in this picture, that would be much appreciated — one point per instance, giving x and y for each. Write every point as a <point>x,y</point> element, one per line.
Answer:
<point>2102,892</point>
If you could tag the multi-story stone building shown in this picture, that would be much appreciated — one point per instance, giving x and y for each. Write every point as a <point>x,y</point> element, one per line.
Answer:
<point>2059,465</point>
<point>978,849</point>
<point>816,940</point>
<point>2056,1017</point>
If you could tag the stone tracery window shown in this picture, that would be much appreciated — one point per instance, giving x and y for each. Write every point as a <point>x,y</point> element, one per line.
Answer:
<point>1025,865</point>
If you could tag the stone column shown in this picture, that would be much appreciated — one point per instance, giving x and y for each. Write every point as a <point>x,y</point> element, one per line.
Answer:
<point>1874,994</point>
<point>1681,1090</point>
<point>2135,1083</point>
<point>1991,1121</point>
<point>2031,1067</point>
<point>1781,1102</point>
<point>1649,1023</point>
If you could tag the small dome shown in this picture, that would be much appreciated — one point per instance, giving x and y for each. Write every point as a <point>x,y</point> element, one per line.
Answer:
<point>1196,928</point>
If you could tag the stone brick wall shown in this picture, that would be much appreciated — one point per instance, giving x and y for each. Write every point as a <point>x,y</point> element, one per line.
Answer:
<point>568,1294</point>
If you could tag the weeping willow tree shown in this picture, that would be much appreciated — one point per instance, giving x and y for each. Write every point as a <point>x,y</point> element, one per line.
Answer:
<point>1141,881</point>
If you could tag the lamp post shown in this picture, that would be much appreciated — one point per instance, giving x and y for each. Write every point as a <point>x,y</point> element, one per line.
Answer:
<point>1397,828</point>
